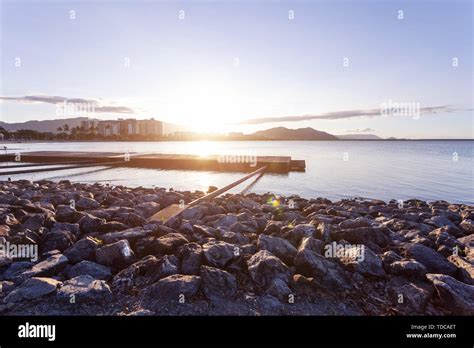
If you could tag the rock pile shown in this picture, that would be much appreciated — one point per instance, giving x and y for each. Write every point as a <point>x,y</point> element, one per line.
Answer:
<point>237,255</point>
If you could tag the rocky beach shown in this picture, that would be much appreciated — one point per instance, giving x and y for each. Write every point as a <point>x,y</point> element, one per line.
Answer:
<point>89,249</point>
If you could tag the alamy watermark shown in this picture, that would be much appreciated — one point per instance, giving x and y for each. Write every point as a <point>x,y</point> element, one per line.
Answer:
<point>351,251</point>
<point>392,108</point>
<point>238,158</point>
<point>75,109</point>
<point>19,251</point>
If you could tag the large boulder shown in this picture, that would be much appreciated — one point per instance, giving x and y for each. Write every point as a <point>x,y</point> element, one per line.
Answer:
<point>370,236</point>
<point>32,289</point>
<point>431,259</point>
<point>93,269</point>
<point>217,284</point>
<point>84,289</point>
<point>279,247</point>
<point>169,243</point>
<point>264,267</point>
<point>311,264</point>
<point>363,260</point>
<point>58,240</point>
<point>218,254</point>
<point>47,268</point>
<point>408,268</point>
<point>84,249</point>
<point>175,287</point>
<point>118,254</point>
<point>191,258</point>
<point>456,297</point>
<point>90,223</point>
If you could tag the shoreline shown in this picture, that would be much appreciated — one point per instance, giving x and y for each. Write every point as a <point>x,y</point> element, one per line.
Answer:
<point>253,254</point>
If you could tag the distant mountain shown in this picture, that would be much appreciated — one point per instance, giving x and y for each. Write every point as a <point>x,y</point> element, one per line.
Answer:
<point>44,126</point>
<point>359,137</point>
<point>282,133</point>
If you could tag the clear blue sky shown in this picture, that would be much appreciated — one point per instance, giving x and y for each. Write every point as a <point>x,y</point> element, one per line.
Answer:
<point>228,61</point>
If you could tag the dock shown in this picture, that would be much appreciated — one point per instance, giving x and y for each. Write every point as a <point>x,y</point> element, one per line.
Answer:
<point>228,163</point>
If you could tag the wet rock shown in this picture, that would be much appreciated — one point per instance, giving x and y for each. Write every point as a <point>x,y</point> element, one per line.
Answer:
<point>219,254</point>
<point>264,267</point>
<point>118,254</point>
<point>456,297</point>
<point>60,240</point>
<point>217,284</point>
<point>174,288</point>
<point>191,257</point>
<point>408,268</point>
<point>432,260</point>
<point>85,289</point>
<point>84,249</point>
<point>93,269</point>
<point>279,247</point>
<point>32,289</point>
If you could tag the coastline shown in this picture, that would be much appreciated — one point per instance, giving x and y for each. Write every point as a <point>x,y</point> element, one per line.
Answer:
<point>237,255</point>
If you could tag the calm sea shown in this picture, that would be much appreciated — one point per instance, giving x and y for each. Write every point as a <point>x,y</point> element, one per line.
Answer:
<point>428,170</point>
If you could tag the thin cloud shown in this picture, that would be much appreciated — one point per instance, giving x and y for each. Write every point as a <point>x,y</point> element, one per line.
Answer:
<point>98,105</point>
<point>359,130</point>
<point>337,115</point>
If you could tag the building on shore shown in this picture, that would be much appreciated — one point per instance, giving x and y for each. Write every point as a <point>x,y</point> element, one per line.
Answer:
<point>129,127</point>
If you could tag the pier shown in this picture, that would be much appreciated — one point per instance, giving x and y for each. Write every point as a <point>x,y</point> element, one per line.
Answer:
<point>69,159</point>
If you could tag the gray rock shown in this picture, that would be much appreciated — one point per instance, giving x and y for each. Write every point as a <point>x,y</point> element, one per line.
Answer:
<point>194,213</point>
<point>166,266</point>
<point>118,254</point>
<point>47,268</point>
<point>279,247</point>
<point>467,226</point>
<point>175,286</point>
<point>64,213</point>
<point>370,236</point>
<point>85,203</point>
<point>15,269</point>
<point>327,272</point>
<point>217,284</point>
<point>89,223</point>
<point>279,289</point>
<point>432,260</point>
<point>367,263</point>
<point>409,297</point>
<point>226,221</point>
<point>131,234</point>
<point>135,274</point>
<point>32,289</point>
<point>408,268</point>
<point>147,209</point>
<point>84,249</point>
<point>455,296</point>
<point>93,269</point>
<point>465,268</point>
<point>191,258</point>
<point>218,254</point>
<point>169,243</point>
<point>297,233</point>
<point>84,289</point>
<point>66,226</point>
<point>60,240</point>
<point>264,267</point>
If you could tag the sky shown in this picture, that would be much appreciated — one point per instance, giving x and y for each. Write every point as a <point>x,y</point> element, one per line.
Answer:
<point>390,68</point>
